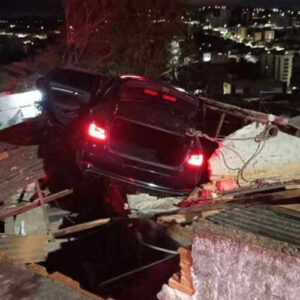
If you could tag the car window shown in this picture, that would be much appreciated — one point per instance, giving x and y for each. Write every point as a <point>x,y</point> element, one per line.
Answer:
<point>80,80</point>
<point>172,102</point>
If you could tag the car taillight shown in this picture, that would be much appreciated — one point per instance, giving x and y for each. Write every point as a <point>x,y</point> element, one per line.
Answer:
<point>196,160</point>
<point>97,132</point>
<point>169,98</point>
<point>150,92</point>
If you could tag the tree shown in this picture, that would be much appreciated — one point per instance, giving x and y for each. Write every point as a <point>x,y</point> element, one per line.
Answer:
<point>147,30</point>
<point>38,65</point>
<point>88,32</point>
<point>120,35</point>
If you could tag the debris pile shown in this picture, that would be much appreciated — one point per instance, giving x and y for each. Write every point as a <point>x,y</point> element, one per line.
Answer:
<point>234,237</point>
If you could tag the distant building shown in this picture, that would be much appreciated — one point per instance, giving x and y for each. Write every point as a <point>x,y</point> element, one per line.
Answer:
<point>280,20</point>
<point>219,58</point>
<point>295,82</point>
<point>293,34</point>
<point>257,36</point>
<point>267,65</point>
<point>219,17</point>
<point>253,89</point>
<point>246,16</point>
<point>175,51</point>
<point>227,88</point>
<point>241,32</point>
<point>215,57</point>
<point>206,57</point>
<point>283,68</point>
<point>269,35</point>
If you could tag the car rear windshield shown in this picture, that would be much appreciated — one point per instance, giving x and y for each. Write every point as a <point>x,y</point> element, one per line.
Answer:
<point>172,101</point>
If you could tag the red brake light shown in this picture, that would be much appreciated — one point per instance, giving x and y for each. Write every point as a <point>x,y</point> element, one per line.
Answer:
<point>150,92</point>
<point>97,132</point>
<point>196,160</point>
<point>169,98</point>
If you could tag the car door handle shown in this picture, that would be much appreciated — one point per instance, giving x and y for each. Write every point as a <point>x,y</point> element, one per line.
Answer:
<point>65,91</point>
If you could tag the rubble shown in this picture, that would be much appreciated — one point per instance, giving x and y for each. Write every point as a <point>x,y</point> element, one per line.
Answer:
<point>35,282</point>
<point>150,205</point>
<point>234,246</point>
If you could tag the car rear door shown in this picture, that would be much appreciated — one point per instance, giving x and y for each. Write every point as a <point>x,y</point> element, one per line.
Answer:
<point>69,90</point>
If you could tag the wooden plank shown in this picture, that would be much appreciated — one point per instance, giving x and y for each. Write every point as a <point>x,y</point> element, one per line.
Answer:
<point>80,227</point>
<point>290,185</point>
<point>6,212</point>
<point>25,249</point>
<point>183,282</point>
<point>183,235</point>
<point>67,281</point>
<point>62,280</point>
<point>176,218</point>
<point>193,195</point>
<point>207,214</point>
<point>251,115</point>
<point>248,199</point>
<point>41,199</point>
<point>222,118</point>
<point>38,269</point>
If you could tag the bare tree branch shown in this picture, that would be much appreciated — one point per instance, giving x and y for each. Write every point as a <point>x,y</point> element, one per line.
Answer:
<point>120,35</point>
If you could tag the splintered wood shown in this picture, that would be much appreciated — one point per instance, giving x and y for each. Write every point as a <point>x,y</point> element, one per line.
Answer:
<point>81,227</point>
<point>62,280</point>
<point>21,167</point>
<point>20,163</point>
<point>183,235</point>
<point>13,210</point>
<point>183,281</point>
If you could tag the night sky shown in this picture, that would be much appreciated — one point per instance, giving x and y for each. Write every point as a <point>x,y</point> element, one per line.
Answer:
<point>12,8</point>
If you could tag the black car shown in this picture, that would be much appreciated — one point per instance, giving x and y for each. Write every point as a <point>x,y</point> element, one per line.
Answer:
<point>128,128</point>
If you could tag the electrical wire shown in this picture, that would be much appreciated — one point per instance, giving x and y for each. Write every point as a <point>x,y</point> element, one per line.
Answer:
<point>256,154</point>
<point>136,270</point>
<point>241,170</point>
<point>236,152</point>
<point>140,239</point>
<point>226,165</point>
<point>236,139</point>
<point>262,137</point>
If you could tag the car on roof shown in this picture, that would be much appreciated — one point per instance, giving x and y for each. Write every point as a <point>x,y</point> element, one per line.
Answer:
<point>128,128</point>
